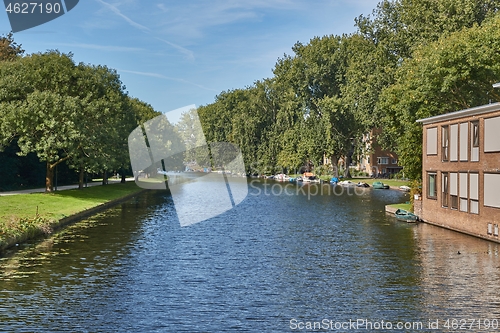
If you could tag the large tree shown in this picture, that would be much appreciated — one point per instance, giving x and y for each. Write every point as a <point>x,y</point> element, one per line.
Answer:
<point>62,111</point>
<point>453,73</point>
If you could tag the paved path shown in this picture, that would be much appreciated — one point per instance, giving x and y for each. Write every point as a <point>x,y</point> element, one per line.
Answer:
<point>61,188</point>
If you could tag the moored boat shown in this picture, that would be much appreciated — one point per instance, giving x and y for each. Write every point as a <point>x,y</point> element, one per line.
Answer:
<point>407,216</point>
<point>309,177</point>
<point>380,185</point>
<point>281,177</point>
<point>346,183</point>
<point>405,188</point>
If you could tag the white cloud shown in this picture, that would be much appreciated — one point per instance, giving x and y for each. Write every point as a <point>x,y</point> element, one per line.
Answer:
<point>103,47</point>
<point>189,54</point>
<point>191,21</point>
<point>115,10</point>
<point>160,76</point>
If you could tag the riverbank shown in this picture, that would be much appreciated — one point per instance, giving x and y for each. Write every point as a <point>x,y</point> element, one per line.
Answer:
<point>28,216</point>
<point>391,209</point>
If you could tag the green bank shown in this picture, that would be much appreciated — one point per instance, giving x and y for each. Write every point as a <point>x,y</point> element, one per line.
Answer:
<point>27,216</point>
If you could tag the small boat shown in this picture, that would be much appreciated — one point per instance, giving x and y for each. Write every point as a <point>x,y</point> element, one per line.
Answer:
<point>407,216</point>
<point>380,185</point>
<point>361,184</point>
<point>405,188</point>
<point>309,177</point>
<point>346,183</point>
<point>334,180</point>
<point>281,177</point>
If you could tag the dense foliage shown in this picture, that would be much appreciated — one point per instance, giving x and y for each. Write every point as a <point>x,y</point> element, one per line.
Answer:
<point>408,60</point>
<point>76,115</point>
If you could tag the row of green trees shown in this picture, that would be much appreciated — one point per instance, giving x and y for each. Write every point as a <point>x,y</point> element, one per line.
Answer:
<point>76,114</point>
<point>408,60</point>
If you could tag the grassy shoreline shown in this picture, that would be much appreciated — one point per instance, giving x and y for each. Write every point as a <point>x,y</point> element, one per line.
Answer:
<point>406,206</point>
<point>27,216</point>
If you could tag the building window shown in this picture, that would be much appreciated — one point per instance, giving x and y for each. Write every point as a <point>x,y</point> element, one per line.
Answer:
<point>431,186</point>
<point>453,189</point>
<point>475,134</point>
<point>432,142</point>
<point>491,136</point>
<point>394,161</point>
<point>463,192</point>
<point>444,197</point>
<point>382,160</point>
<point>474,193</point>
<point>445,143</point>
<point>474,206</point>
<point>464,141</point>
<point>453,142</point>
<point>490,190</point>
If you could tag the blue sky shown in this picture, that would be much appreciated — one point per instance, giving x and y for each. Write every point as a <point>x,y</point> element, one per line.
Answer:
<point>176,53</point>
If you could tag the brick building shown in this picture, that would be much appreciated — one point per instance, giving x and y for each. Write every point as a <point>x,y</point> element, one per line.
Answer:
<point>378,162</point>
<point>461,171</point>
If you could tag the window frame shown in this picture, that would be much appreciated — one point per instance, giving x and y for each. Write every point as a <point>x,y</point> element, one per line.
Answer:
<point>475,133</point>
<point>382,158</point>
<point>445,143</point>
<point>445,190</point>
<point>429,176</point>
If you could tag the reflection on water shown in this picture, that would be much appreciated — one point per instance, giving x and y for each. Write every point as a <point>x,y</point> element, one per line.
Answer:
<point>460,274</point>
<point>273,258</point>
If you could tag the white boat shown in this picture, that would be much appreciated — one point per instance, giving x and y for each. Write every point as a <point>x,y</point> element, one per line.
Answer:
<point>346,183</point>
<point>309,177</point>
<point>282,177</point>
<point>405,188</point>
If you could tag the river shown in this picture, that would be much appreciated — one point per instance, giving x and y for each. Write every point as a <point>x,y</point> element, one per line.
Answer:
<point>306,259</point>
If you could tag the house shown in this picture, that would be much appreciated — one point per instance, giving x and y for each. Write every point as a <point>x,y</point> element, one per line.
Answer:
<point>461,171</point>
<point>373,160</point>
<point>377,162</point>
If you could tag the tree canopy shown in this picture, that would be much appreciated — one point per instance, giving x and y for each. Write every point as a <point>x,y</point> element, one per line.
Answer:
<point>66,112</point>
<point>407,60</point>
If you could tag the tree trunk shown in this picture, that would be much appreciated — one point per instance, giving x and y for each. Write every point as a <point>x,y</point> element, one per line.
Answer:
<point>123,176</point>
<point>347,171</point>
<point>49,178</point>
<point>105,178</point>
<point>335,165</point>
<point>81,178</point>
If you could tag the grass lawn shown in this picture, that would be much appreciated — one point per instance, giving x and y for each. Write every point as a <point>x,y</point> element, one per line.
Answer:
<point>25,216</point>
<point>62,203</point>
<point>404,206</point>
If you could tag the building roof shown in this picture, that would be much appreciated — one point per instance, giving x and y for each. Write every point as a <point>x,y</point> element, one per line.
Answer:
<point>460,114</point>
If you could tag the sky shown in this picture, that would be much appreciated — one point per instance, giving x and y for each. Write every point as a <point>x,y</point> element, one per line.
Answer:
<point>171,54</point>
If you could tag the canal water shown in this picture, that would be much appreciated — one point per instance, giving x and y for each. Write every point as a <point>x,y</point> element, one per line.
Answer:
<point>305,259</point>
